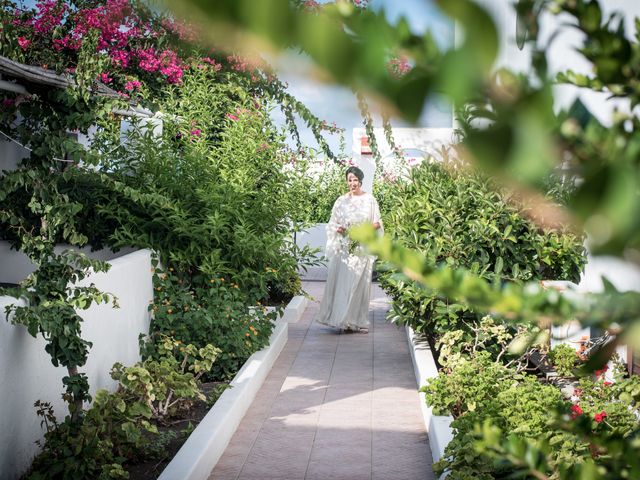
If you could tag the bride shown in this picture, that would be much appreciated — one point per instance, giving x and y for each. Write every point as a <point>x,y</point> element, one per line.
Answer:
<point>345,304</point>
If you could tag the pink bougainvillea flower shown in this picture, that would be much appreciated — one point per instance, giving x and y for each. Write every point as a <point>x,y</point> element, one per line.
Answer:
<point>105,78</point>
<point>132,85</point>
<point>120,58</point>
<point>232,117</point>
<point>50,14</point>
<point>599,417</point>
<point>24,42</point>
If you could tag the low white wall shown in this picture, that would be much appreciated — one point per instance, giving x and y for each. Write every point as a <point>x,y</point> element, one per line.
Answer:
<point>16,266</point>
<point>315,236</point>
<point>424,368</point>
<point>26,372</point>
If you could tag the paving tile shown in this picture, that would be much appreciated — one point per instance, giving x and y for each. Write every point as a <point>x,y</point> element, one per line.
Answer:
<point>334,406</point>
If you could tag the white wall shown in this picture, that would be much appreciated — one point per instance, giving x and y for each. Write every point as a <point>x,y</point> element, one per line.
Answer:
<point>10,154</point>
<point>429,140</point>
<point>16,266</point>
<point>26,372</point>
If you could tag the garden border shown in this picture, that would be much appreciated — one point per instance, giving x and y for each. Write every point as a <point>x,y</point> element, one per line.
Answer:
<point>199,454</point>
<point>424,366</point>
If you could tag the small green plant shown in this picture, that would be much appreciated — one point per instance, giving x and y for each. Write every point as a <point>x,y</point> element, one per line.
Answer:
<point>487,334</point>
<point>564,358</point>
<point>169,383</point>
<point>95,446</point>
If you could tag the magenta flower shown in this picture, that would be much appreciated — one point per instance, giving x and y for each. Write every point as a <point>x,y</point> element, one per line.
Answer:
<point>196,132</point>
<point>121,58</point>
<point>105,78</point>
<point>132,85</point>
<point>24,42</point>
<point>232,117</point>
<point>8,102</point>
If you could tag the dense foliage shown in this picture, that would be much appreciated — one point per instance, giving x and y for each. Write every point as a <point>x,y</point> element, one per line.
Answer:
<point>195,182</point>
<point>461,218</point>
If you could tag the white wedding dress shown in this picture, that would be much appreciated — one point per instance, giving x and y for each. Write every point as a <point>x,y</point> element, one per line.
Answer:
<point>345,303</point>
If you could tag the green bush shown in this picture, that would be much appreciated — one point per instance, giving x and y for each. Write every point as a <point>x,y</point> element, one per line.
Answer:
<point>208,310</point>
<point>121,426</point>
<point>564,358</point>
<point>502,415</point>
<point>169,383</point>
<point>460,218</point>
<point>110,432</point>
<point>314,185</point>
<point>479,390</point>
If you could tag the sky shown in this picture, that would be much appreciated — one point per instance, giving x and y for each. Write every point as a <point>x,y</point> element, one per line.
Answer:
<point>338,104</point>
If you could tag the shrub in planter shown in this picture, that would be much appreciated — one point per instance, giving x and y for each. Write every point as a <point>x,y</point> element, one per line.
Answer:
<point>486,335</point>
<point>121,426</point>
<point>473,384</point>
<point>170,383</point>
<point>208,310</point>
<point>595,437</point>
<point>564,358</point>
<point>461,218</point>
<point>519,426</point>
<point>479,390</point>
<point>109,432</point>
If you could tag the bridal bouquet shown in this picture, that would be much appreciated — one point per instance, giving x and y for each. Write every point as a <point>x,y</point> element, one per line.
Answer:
<point>354,247</point>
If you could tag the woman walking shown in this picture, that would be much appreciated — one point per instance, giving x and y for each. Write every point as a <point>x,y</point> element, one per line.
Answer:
<point>345,304</point>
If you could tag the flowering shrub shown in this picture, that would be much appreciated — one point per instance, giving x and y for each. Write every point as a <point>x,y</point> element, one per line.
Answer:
<point>51,35</point>
<point>206,310</point>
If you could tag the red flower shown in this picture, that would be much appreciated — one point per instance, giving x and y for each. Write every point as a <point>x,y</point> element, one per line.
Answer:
<point>606,384</point>
<point>576,411</point>
<point>599,417</point>
<point>600,372</point>
<point>232,117</point>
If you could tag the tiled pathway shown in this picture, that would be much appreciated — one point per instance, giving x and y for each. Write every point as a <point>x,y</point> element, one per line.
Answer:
<point>335,406</point>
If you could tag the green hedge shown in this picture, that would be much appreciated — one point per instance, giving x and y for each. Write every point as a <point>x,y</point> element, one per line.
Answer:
<point>461,218</point>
